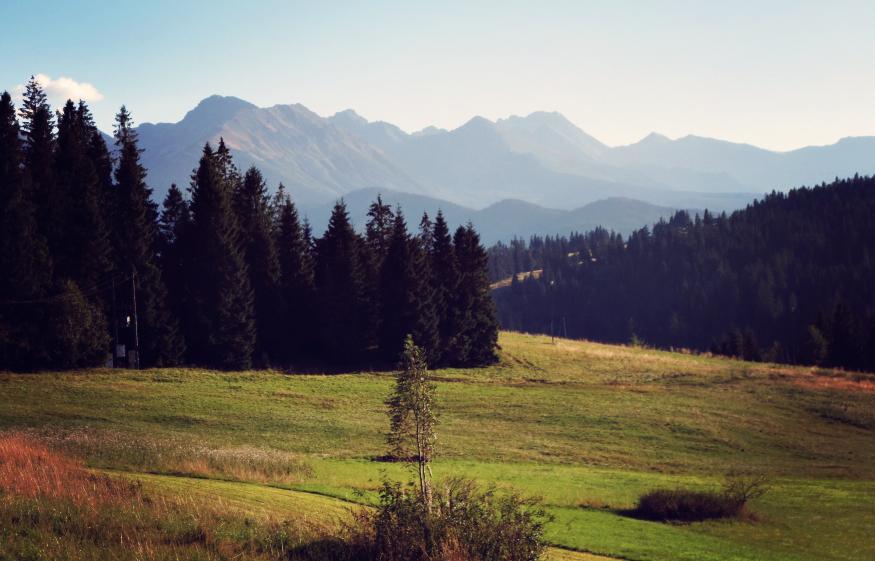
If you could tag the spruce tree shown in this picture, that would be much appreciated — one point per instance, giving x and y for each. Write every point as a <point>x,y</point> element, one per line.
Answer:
<point>101,159</point>
<point>226,166</point>
<point>39,148</point>
<point>475,324</point>
<point>174,254</point>
<point>406,296</point>
<point>223,334</point>
<point>86,255</point>
<point>296,285</point>
<point>344,321</point>
<point>444,277</point>
<point>426,232</point>
<point>277,204</point>
<point>24,257</point>
<point>379,229</point>
<point>256,235</point>
<point>135,237</point>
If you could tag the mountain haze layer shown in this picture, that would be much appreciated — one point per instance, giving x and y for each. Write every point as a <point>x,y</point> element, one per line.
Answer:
<point>503,220</point>
<point>540,159</point>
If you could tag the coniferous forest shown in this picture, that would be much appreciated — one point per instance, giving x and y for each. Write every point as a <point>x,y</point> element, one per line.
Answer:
<point>791,278</point>
<point>221,275</point>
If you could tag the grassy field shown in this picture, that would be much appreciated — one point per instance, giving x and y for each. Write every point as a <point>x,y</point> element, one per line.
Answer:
<point>588,427</point>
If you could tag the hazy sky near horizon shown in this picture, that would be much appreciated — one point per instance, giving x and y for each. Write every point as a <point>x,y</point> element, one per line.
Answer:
<point>778,74</point>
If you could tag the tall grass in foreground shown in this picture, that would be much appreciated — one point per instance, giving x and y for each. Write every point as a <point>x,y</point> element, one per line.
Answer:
<point>116,450</point>
<point>52,507</point>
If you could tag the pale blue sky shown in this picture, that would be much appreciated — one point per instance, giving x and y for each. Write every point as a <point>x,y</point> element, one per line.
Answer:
<point>779,74</point>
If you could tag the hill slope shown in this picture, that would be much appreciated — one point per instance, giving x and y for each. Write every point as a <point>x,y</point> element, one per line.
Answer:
<point>586,426</point>
<point>790,278</point>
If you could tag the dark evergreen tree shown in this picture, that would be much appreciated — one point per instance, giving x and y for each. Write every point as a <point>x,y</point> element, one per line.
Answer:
<point>135,237</point>
<point>24,258</point>
<point>426,232</point>
<point>815,348</point>
<point>256,235</point>
<point>845,343</point>
<point>345,323</point>
<point>175,251</point>
<point>39,148</point>
<point>379,229</point>
<point>226,166</point>
<point>298,326</point>
<point>101,159</point>
<point>223,331</point>
<point>475,328</point>
<point>277,205</point>
<point>406,296</point>
<point>444,278</point>
<point>86,254</point>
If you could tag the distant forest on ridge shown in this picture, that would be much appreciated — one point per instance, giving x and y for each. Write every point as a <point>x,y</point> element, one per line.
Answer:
<point>791,278</point>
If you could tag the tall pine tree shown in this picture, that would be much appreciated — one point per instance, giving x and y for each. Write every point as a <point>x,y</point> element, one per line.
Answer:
<point>223,310</point>
<point>39,148</point>
<point>298,327</point>
<point>379,229</point>
<point>256,235</point>
<point>405,296</point>
<point>135,237</point>
<point>174,253</point>
<point>345,323</point>
<point>86,255</point>
<point>444,277</point>
<point>24,257</point>
<point>474,324</point>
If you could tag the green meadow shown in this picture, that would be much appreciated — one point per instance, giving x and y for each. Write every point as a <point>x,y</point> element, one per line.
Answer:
<point>587,427</point>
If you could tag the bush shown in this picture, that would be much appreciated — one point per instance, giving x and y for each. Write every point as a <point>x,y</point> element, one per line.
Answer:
<point>680,505</point>
<point>464,523</point>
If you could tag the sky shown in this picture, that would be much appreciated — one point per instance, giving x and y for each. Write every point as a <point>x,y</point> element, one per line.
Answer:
<point>777,74</point>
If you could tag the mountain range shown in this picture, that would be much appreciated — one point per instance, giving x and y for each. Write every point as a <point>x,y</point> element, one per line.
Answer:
<point>532,165</point>
<point>503,220</point>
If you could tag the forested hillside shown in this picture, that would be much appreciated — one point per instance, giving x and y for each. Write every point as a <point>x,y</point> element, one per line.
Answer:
<point>223,276</point>
<point>790,278</point>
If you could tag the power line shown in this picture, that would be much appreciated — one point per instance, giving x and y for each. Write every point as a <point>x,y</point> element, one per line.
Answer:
<point>99,287</point>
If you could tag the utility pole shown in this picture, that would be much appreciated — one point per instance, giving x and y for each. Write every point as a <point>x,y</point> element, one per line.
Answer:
<point>114,327</point>
<point>552,310</point>
<point>136,364</point>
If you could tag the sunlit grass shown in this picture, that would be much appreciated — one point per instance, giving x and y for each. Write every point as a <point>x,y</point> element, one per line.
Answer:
<point>588,427</point>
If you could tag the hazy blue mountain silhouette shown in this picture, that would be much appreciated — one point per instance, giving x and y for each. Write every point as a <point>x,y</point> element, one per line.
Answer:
<point>541,159</point>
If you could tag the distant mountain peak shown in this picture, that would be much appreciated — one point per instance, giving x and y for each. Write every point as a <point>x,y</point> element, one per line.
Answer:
<point>477,122</point>
<point>221,103</point>
<point>216,108</point>
<point>653,138</point>
<point>349,116</point>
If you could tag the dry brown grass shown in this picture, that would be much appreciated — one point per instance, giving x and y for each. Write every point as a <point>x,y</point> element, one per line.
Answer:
<point>29,469</point>
<point>843,383</point>
<point>116,450</point>
<point>53,507</point>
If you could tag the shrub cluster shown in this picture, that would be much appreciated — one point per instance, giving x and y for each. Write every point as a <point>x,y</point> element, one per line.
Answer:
<point>464,523</point>
<point>683,505</point>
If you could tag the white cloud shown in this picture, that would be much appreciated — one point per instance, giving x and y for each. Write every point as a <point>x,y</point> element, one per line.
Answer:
<point>63,88</point>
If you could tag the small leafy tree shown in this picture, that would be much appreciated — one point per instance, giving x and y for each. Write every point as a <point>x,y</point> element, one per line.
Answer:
<point>412,416</point>
<point>457,520</point>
